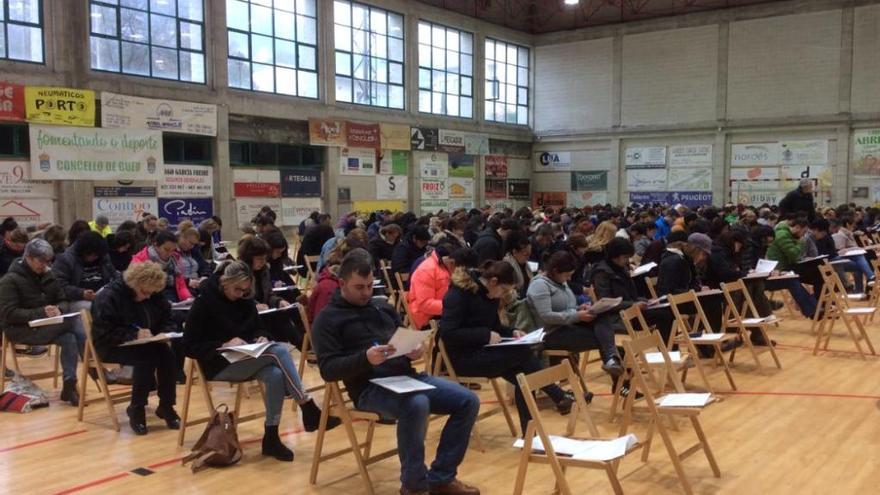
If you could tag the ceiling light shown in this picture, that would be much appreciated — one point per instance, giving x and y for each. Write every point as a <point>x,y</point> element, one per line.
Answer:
<point>572,2</point>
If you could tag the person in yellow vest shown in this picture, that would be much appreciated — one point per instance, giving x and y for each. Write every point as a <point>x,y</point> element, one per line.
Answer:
<point>101,225</point>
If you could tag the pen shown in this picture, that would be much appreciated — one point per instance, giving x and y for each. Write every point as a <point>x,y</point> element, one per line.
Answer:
<point>384,353</point>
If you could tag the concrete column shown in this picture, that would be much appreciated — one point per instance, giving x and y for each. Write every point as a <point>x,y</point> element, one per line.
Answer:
<point>846,60</point>
<point>617,81</point>
<point>723,56</point>
<point>720,171</point>
<point>618,194</point>
<point>224,202</point>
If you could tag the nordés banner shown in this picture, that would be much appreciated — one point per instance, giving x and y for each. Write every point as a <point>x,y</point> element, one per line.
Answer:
<point>131,112</point>
<point>300,183</point>
<point>12,102</point>
<point>66,153</point>
<point>65,106</point>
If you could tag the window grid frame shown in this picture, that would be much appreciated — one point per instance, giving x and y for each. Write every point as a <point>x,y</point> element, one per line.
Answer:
<point>149,44</point>
<point>4,56</point>
<point>274,65</point>
<point>527,87</point>
<point>446,72</point>
<point>369,57</point>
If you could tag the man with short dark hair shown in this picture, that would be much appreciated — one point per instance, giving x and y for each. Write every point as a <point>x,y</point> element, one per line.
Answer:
<point>544,241</point>
<point>351,339</point>
<point>490,244</point>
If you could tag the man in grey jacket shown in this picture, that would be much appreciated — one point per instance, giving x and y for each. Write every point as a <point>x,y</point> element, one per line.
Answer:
<point>83,269</point>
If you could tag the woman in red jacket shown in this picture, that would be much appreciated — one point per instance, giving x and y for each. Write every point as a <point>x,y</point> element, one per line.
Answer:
<point>164,251</point>
<point>430,281</point>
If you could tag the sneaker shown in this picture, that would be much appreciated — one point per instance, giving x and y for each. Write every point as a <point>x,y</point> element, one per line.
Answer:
<point>625,391</point>
<point>564,405</point>
<point>613,367</point>
<point>33,351</point>
<point>8,373</point>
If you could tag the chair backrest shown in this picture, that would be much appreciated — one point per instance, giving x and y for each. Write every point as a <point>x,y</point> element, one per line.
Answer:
<point>700,323</point>
<point>652,289</point>
<point>636,351</point>
<point>547,376</point>
<point>739,301</point>
<point>832,285</point>
<point>311,265</point>
<point>634,322</point>
<point>444,360</point>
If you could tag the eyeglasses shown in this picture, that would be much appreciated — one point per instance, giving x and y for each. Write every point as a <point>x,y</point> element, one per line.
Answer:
<point>240,291</point>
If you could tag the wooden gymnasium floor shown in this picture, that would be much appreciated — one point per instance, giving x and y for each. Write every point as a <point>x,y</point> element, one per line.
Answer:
<point>809,428</point>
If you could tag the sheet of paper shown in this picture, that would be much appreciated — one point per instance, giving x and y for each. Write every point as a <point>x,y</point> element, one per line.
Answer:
<point>275,310</point>
<point>855,252</point>
<point>283,288</point>
<point>657,357</point>
<point>710,292</point>
<point>531,338</point>
<point>643,269</point>
<point>766,266</point>
<point>709,336</point>
<point>758,321</point>
<point>162,337</point>
<point>685,400</point>
<point>405,341</point>
<point>592,450</point>
<point>53,320</point>
<point>290,268</point>
<point>605,304</point>
<point>401,384</point>
<point>533,266</point>
<point>814,258</point>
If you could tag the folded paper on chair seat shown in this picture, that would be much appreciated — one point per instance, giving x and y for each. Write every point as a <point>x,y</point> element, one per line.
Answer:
<point>657,357</point>
<point>588,450</point>
<point>684,400</point>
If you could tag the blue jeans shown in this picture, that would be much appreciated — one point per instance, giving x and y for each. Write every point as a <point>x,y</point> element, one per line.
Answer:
<point>411,412</point>
<point>804,300</point>
<point>859,266</point>
<point>70,336</point>
<point>276,371</point>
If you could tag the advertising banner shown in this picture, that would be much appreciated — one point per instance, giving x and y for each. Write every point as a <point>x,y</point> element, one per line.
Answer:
<point>433,206</point>
<point>755,173</point>
<point>690,155</point>
<point>648,179</point>
<point>392,187</point>
<point>646,157</point>
<point>589,181</point>
<point>433,189</point>
<point>476,144</point>
<point>496,166</point>
<point>461,188</point>
<point>587,198</point>
<point>519,189</point>
<point>131,112</point>
<point>495,189</point>
<point>195,210</point>
<point>811,152</point>
<point>549,200</point>
<point>327,132</point>
<point>101,190</point>
<point>433,165</point>
<point>247,208</point>
<point>424,138</point>
<point>295,210</point>
<point>451,141</point>
<point>395,136</point>
<point>552,162</point>
<point>394,162</point>
<point>689,179</point>
<point>866,154</point>
<point>296,183</point>
<point>15,182</point>
<point>362,135</point>
<point>12,102</point>
<point>28,212</point>
<point>754,155</point>
<point>63,106</point>
<point>118,210</point>
<point>461,165</point>
<point>186,181</point>
<point>66,153</point>
<point>357,161</point>
<point>255,183</point>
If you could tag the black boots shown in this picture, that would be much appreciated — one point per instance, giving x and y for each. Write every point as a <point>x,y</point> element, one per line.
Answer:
<point>172,420</point>
<point>273,447</point>
<point>311,417</point>
<point>69,393</point>
<point>137,419</point>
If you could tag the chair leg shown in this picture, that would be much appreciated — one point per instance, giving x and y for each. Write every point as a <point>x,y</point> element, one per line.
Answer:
<point>3,364</point>
<point>187,394</point>
<point>524,461</point>
<point>57,365</point>
<point>673,455</point>
<point>505,409</point>
<point>352,438</point>
<point>705,443</point>
<point>83,382</point>
<point>319,440</point>
<point>612,478</point>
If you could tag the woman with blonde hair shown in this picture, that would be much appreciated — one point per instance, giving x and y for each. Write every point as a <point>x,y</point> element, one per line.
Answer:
<point>130,309</point>
<point>224,315</point>
<point>596,242</point>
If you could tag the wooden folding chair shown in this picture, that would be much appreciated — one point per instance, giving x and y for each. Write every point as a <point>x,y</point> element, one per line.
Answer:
<point>636,327</point>
<point>92,360</point>
<point>874,294</point>
<point>742,316</point>
<point>194,372</point>
<point>833,305</point>
<point>703,335</point>
<point>651,282</point>
<point>385,268</point>
<point>311,266</point>
<point>8,347</point>
<point>536,429</point>
<point>401,305</point>
<point>335,404</point>
<point>644,381</point>
<point>503,406</point>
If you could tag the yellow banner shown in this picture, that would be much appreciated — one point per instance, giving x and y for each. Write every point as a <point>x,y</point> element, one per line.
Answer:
<point>64,106</point>
<point>372,205</point>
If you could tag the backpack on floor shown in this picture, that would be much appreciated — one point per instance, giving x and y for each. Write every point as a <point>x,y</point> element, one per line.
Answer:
<point>218,446</point>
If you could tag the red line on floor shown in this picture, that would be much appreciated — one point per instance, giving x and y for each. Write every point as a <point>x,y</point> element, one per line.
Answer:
<point>828,395</point>
<point>44,440</point>
<point>164,463</point>
<point>91,484</point>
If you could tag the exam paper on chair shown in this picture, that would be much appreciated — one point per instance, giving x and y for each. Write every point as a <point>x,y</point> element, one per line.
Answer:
<point>684,400</point>
<point>162,337</point>
<point>531,338</point>
<point>405,341</point>
<point>236,353</point>
<point>589,450</point>
<point>402,384</point>
<point>52,320</point>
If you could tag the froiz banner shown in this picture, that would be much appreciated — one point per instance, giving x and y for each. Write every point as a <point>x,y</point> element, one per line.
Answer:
<point>131,112</point>
<point>67,153</point>
<point>178,209</point>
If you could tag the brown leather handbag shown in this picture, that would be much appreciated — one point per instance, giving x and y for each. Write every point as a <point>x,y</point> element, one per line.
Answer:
<point>218,446</point>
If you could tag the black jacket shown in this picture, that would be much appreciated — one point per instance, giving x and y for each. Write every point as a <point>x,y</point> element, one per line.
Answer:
<point>68,269</point>
<point>797,202</point>
<point>343,332</point>
<point>404,255</point>
<point>489,246</point>
<point>7,256</point>
<point>753,251</point>
<point>380,250</point>
<point>120,260</point>
<point>723,266</point>
<point>826,246</point>
<point>312,243</point>
<point>611,281</point>
<point>469,316</point>
<point>213,320</point>
<point>24,295</point>
<point>115,314</point>
<point>262,289</point>
<point>676,274</point>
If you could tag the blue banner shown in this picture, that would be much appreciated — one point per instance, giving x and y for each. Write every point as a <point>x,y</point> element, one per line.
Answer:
<point>296,183</point>
<point>195,209</point>
<point>687,198</point>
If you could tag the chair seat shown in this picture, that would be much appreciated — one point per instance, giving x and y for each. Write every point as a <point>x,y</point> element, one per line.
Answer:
<point>860,311</point>
<point>757,321</point>
<point>711,338</point>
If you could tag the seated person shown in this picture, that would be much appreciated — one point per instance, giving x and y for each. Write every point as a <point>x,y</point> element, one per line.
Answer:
<point>120,249</point>
<point>408,251</point>
<point>193,267</point>
<point>677,272</point>
<point>382,246</point>
<point>312,242</point>
<point>570,326</point>
<point>351,342</point>
<point>430,282</point>
<point>223,316</point>
<point>576,245</point>
<point>517,250</point>
<point>278,260</point>
<point>129,309</point>
<point>787,248</point>
<point>255,253</point>
<point>83,269</point>
<point>30,291</point>
<point>844,241</point>
<point>356,238</point>
<point>12,248</point>
<point>163,251</point>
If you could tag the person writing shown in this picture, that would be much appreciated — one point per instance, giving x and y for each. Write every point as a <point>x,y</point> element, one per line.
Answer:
<point>351,341</point>
<point>128,310</point>
<point>430,281</point>
<point>83,269</point>
<point>224,316</point>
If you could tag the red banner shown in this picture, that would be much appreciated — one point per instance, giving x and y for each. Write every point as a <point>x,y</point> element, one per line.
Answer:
<point>257,190</point>
<point>549,200</point>
<point>11,101</point>
<point>496,189</point>
<point>362,135</point>
<point>496,167</point>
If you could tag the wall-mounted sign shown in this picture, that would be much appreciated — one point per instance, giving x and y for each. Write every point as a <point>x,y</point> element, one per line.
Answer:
<point>15,182</point>
<point>496,166</point>
<point>424,138</point>
<point>177,210</point>
<point>646,157</point>
<point>362,135</point>
<point>297,183</point>
<point>132,112</point>
<point>255,183</point>
<point>12,102</point>
<point>327,132</point>
<point>690,155</point>
<point>589,181</point>
<point>552,162</point>
<point>392,187</point>
<point>186,181</point>
<point>65,106</point>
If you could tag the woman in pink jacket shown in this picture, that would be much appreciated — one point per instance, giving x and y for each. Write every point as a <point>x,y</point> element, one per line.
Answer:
<point>430,281</point>
<point>164,251</point>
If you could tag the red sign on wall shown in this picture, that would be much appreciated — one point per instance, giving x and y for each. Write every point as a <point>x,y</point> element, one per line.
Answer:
<point>496,166</point>
<point>362,135</point>
<point>257,190</point>
<point>11,101</point>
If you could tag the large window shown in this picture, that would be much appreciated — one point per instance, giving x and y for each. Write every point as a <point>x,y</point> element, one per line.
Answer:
<point>507,82</point>
<point>369,55</point>
<point>446,68</point>
<point>154,38</point>
<point>273,46</point>
<point>275,155</point>
<point>21,30</point>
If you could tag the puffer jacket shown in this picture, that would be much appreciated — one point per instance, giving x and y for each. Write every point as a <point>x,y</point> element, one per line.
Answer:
<point>609,281</point>
<point>24,295</point>
<point>115,316</point>
<point>469,316</point>
<point>427,287</point>
<point>68,269</point>
<point>785,248</point>
<point>180,283</point>
<point>320,297</point>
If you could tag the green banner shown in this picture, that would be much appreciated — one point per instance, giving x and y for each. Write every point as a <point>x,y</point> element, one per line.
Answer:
<point>589,181</point>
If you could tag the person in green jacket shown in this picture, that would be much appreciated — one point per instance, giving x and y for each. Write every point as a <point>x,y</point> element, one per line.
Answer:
<point>788,247</point>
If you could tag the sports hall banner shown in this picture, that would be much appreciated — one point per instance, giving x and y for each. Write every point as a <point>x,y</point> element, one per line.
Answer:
<point>68,153</point>
<point>646,157</point>
<point>866,154</point>
<point>186,181</point>
<point>394,162</point>
<point>754,154</point>
<point>424,138</point>
<point>65,106</point>
<point>247,208</point>
<point>327,132</point>
<point>132,112</point>
<point>579,199</point>
<point>392,187</point>
<point>451,141</point>
<point>552,161</point>
<point>519,189</point>
<point>362,135</point>
<point>690,155</point>
<point>549,200</point>
<point>118,210</point>
<point>177,210</point>
<point>300,183</point>
<point>589,180</point>
<point>28,212</point>
<point>461,165</point>
<point>691,198</point>
<point>254,183</point>
<point>495,189</point>
<point>689,179</point>
<point>496,166</point>
<point>295,210</point>
<point>476,144</point>
<point>12,102</point>
<point>357,161</point>
<point>15,182</point>
<point>395,136</point>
